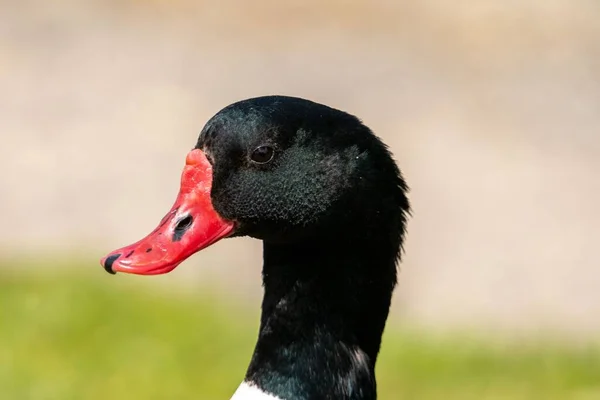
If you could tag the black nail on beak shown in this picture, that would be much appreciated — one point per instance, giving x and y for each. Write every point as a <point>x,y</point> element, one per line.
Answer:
<point>108,263</point>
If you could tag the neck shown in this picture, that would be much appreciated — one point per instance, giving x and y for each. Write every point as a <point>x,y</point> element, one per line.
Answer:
<point>323,315</point>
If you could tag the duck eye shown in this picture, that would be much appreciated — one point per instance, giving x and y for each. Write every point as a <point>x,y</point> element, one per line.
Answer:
<point>262,154</point>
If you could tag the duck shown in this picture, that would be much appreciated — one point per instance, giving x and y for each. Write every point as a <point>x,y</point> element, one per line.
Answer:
<point>326,198</point>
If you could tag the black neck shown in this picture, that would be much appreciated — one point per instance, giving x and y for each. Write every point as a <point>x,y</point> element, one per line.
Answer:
<point>323,314</point>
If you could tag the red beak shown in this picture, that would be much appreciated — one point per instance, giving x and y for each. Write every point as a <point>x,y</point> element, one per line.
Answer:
<point>190,226</point>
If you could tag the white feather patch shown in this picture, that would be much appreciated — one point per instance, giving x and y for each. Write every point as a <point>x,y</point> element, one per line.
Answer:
<point>247,391</point>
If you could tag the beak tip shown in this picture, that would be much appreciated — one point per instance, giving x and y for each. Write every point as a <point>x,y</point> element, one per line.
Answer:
<point>108,262</point>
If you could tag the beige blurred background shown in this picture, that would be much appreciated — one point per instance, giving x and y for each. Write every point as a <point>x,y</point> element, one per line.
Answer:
<point>492,109</point>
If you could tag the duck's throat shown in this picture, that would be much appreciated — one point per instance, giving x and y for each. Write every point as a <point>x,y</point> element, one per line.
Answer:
<point>323,315</point>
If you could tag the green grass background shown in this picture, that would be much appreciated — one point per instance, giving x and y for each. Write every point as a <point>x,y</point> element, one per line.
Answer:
<point>91,336</point>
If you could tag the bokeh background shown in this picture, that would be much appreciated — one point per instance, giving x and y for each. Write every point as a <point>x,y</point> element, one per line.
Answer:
<point>492,109</point>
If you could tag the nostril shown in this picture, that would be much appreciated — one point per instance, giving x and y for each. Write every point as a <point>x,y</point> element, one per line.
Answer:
<point>182,226</point>
<point>108,263</point>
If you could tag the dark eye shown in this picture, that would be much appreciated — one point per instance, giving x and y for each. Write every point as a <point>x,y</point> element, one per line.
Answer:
<point>262,154</point>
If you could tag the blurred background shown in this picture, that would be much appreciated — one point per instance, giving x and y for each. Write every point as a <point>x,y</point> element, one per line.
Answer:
<point>492,110</point>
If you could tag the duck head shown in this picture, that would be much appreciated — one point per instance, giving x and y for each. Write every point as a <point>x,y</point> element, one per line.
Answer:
<point>281,169</point>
